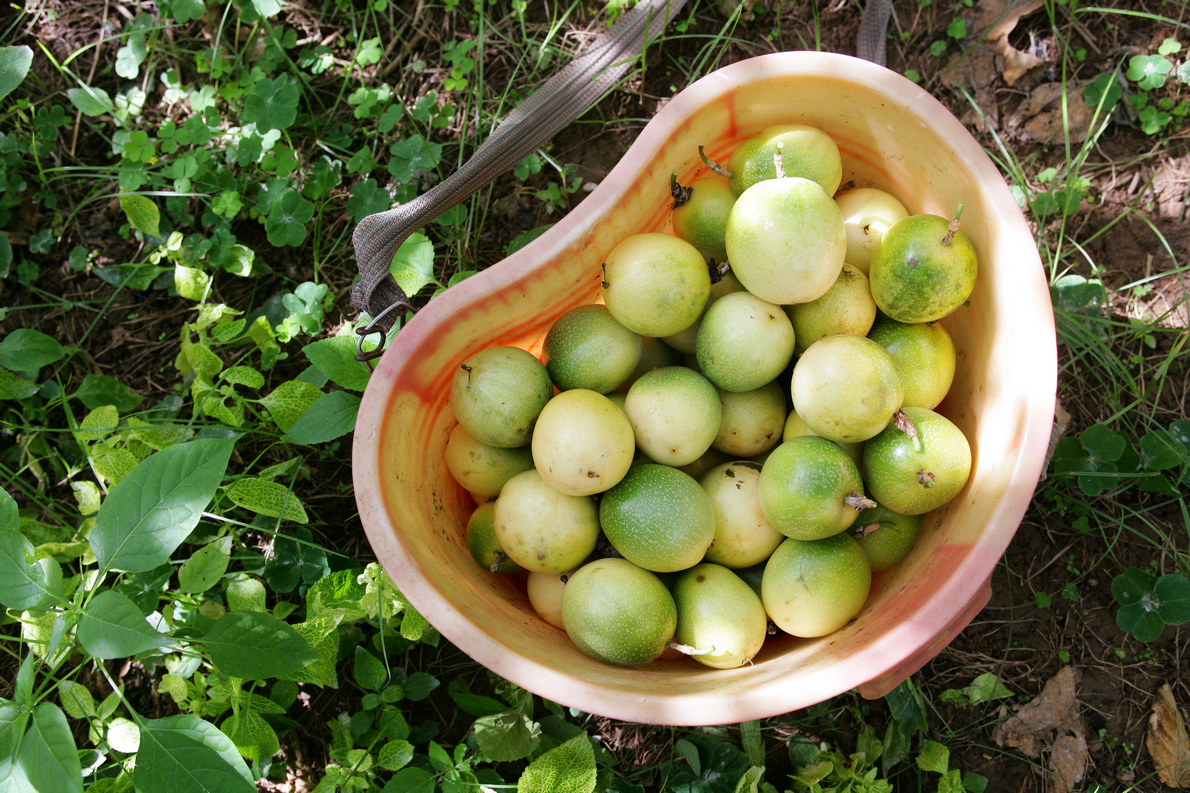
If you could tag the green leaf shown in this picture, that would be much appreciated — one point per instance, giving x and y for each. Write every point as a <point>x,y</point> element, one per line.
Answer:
<point>473,704</point>
<point>508,736</point>
<point>413,264</point>
<point>1172,593</point>
<point>13,387</point>
<point>76,699</point>
<point>287,219</point>
<point>411,780</point>
<point>203,570</point>
<point>26,350</point>
<point>14,65</point>
<point>152,510</point>
<point>99,423</point>
<point>339,592</point>
<point>369,671</point>
<point>91,101</point>
<point>184,754</point>
<point>10,516</point>
<point>332,416</point>
<point>323,635</point>
<point>98,390</point>
<point>987,687</point>
<point>934,757</point>
<point>191,283</point>
<point>22,583</point>
<point>569,768</point>
<point>394,755</point>
<point>367,198</point>
<point>1132,586</point>
<point>142,214</point>
<point>267,498</point>
<point>252,735</point>
<point>296,560</point>
<point>113,627</point>
<point>411,155</point>
<point>1161,450</point>
<point>255,646</point>
<point>112,462</point>
<point>335,357</point>
<point>272,103</point>
<point>245,593</point>
<point>133,276</point>
<point>49,756</point>
<point>419,685</point>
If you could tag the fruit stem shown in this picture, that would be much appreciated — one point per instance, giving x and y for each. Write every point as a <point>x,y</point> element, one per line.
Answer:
<point>679,193</point>
<point>926,478</point>
<point>779,161</point>
<point>603,279</point>
<point>953,227</point>
<point>500,559</point>
<point>714,166</point>
<point>858,502</point>
<point>901,422</point>
<point>686,649</point>
<point>717,270</point>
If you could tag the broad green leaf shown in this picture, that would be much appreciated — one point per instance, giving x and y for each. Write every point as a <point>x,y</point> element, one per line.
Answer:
<point>267,498</point>
<point>14,65</point>
<point>267,8</point>
<point>987,687</point>
<point>245,593</point>
<point>49,756</point>
<point>255,646</point>
<point>471,703</point>
<point>87,496</point>
<point>143,214</point>
<point>272,104</point>
<point>339,592</point>
<point>1172,593</point>
<point>1160,450</point>
<point>176,688</point>
<point>369,672</point>
<point>191,283</point>
<point>152,510</point>
<point>112,462</point>
<point>12,730</point>
<point>113,627</point>
<point>335,357</point>
<point>252,735</point>
<point>76,699</point>
<point>323,635</point>
<point>203,570</point>
<point>288,401</point>
<point>26,350</point>
<point>99,423</point>
<point>184,754</point>
<point>934,757</point>
<point>123,736</point>
<point>411,780</point>
<point>13,387</point>
<point>22,584</point>
<point>394,755</point>
<point>92,101</point>
<point>332,416</point>
<point>413,264</point>
<point>419,685</point>
<point>10,516</point>
<point>98,390</point>
<point>133,276</point>
<point>508,736</point>
<point>569,768</point>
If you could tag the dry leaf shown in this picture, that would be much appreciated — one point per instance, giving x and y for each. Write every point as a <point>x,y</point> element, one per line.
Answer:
<point>1167,742</point>
<point>1041,117</point>
<point>998,18</point>
<point>1053,720</point>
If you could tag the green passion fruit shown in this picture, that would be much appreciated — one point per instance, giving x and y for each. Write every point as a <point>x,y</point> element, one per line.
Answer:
<point>658,518</point>
<point>541,529</point>
<point>743,342</point>
<point>483,469</point>
<point>846,388</point>
<point>847,307</point>
<point>887,537</point>
<point>655,284</point>
<point>925,356</point>
<point>484,545</point>
<point>786,241</point>
<point>618,613</point>
<point>812,588</point>
<point>809,488</point>
<point>675,414</point>
<point>587,348</point>
<point>806,152</point>
<point>918,463</point>
<point>924,269</point>
<point>498,393</point>
<point>583,443</point>
<point>701,219</point>
<point>721,622</point>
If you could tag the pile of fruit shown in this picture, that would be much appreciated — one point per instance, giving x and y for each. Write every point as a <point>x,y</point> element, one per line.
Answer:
<point>665,496</point>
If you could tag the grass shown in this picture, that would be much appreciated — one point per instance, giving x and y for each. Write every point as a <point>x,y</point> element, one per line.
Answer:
<point>177,194</point>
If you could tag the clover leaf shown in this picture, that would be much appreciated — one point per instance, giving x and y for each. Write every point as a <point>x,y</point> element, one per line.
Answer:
<point>1148,71</point>
<point>367,198</point>
<point>288,216</point>
<point>272,104</point>
<point>411,155</point>
<point>1148,603</point>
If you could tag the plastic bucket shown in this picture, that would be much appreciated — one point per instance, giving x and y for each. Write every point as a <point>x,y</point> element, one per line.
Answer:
<point>892,135</point>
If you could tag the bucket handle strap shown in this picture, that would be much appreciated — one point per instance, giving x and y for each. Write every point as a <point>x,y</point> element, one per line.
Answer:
<point>563,98</point>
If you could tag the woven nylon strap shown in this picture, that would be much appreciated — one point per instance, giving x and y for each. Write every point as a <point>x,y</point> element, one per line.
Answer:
<point>550,108</point>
